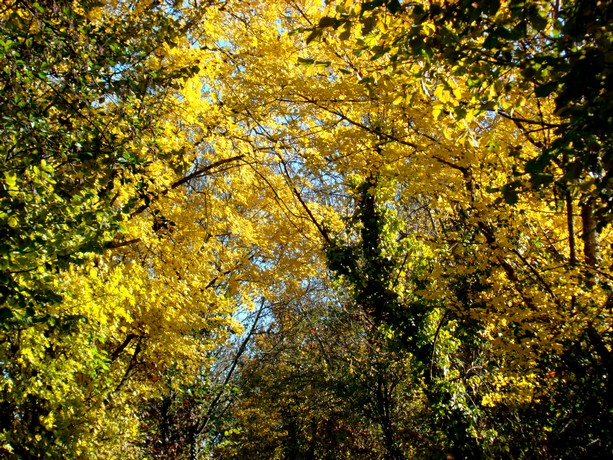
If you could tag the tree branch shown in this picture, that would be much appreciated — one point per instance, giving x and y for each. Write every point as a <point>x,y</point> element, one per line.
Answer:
<point>198,173</point>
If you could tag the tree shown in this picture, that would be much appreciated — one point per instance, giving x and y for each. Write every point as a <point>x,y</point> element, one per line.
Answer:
<point>508,246</point>
<point>85,88</point>
<point>505,53</point>
<point>477,63</point>
<point>400,193</point>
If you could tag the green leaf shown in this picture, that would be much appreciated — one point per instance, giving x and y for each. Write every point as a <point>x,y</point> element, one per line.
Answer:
<point>6,314</point>
<point>345,34</point>
<point>541,180</point>
<point>393,6</point>
<point>509,193</point>
<point>328,21</point>
<point>537,21</point>
<point>546,89</point>
<point>367,6</point>
<point>314,35</point>
<point>10,179</point>
<point>306,61</point>
<point>538,164</point>
<point>573,171</point>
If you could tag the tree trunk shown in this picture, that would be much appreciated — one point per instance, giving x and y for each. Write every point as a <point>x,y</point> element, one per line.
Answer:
<point>589,236</point>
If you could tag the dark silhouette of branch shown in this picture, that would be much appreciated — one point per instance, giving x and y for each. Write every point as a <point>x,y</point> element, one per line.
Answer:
<point>200,172</point>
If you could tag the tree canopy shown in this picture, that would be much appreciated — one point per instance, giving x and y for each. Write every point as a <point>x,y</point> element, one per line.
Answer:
<point>296,230</point>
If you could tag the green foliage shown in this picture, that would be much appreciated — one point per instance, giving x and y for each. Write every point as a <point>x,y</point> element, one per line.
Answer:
<point>82,94</point>
<point>565,55</point>
<point>425,221</point>
<point>81,103</point>
<point>368,265</point>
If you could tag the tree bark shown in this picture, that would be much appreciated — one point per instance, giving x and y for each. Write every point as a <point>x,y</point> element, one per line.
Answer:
<point>589,236</point>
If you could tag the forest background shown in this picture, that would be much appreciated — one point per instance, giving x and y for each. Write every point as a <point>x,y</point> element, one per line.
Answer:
<point>301,230</point>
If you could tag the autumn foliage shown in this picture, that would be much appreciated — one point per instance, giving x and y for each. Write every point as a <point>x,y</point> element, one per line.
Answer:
<point>295,230</point>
